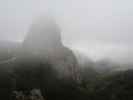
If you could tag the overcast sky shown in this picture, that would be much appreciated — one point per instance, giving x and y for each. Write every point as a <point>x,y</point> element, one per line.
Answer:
<point>98,28</point>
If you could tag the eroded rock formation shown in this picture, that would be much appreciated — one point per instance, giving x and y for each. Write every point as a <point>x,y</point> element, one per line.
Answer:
<point>44,40</point>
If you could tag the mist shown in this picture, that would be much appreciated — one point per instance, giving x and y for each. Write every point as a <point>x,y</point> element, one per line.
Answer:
<point>100,29</point>
<point>66,49</point>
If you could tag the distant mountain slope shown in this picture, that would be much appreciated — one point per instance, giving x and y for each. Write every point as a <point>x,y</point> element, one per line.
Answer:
<point>8,49</point>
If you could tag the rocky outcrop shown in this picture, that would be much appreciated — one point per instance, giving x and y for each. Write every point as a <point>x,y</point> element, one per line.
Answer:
<point>44,40</point>
<point>41,62</point>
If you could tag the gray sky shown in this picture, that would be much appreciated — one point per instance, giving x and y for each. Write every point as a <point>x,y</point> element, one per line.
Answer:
<point>99,28</point>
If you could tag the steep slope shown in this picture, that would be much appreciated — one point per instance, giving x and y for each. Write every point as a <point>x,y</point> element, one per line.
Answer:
<point>44,40</point>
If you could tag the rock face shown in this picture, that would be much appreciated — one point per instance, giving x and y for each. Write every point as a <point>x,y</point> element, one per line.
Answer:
<point>43,36</point>
<point>44,41</point>
<point>43,62</point>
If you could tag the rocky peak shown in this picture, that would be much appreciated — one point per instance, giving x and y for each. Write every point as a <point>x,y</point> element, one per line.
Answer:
<point>44,34</point>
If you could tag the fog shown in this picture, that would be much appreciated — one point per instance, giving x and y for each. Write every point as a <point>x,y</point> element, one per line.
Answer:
<point>98,28</point>
<point>66,49</point>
